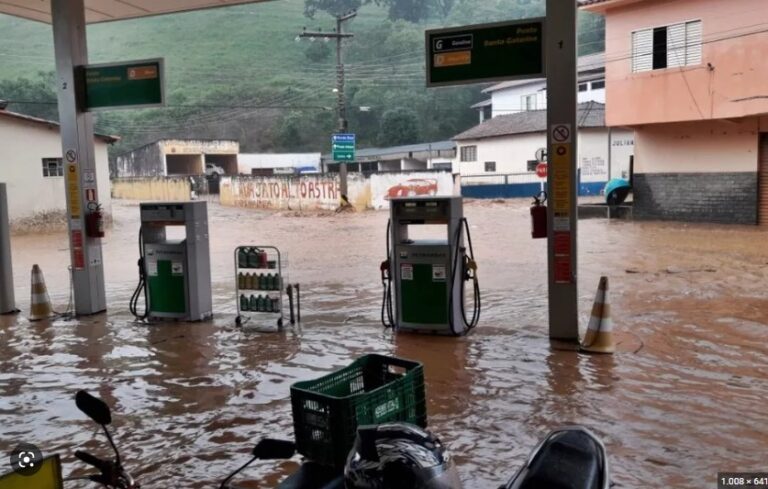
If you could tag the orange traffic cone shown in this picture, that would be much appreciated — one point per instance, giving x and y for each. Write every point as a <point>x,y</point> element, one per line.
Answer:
<point>40,304</point>
<point>599,337</point>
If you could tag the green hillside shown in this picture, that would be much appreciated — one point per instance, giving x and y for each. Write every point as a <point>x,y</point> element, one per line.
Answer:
<point>238,72</point>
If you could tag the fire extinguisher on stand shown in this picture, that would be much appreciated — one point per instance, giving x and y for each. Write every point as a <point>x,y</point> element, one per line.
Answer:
<point>94,221</point>
<point>539,216</point>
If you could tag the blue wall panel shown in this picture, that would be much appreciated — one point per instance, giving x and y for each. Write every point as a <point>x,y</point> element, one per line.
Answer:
<point>512,190</point>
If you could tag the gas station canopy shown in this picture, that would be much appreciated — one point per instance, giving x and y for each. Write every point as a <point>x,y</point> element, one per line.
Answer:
<point>110,10</point>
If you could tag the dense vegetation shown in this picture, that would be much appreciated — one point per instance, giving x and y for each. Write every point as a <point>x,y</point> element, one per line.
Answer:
<point>239,72</point>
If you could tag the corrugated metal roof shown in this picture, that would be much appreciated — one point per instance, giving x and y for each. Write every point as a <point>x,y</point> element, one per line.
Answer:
<point>46,122</point>
<point>590,114</point>
<point>410,148</point>
<point>370,154</point>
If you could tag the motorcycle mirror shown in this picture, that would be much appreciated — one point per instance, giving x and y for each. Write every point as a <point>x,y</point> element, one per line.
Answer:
<point>270,449</point>
<point>93,407</point>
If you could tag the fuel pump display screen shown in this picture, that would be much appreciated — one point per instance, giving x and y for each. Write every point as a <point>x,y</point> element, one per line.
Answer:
<point>423,212</point>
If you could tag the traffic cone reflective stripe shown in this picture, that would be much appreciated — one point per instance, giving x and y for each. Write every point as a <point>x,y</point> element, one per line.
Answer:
<point>599,337</point>
<point>40,303</point>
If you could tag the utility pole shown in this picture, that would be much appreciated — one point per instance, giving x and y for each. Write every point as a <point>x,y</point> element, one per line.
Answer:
<point>339,35</point>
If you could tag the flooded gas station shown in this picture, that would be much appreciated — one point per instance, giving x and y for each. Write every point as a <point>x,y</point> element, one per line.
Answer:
<point>679,400</point>
<point>642,340</point>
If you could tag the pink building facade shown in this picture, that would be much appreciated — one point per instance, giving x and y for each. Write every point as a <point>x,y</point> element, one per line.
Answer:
<point>691,77</point>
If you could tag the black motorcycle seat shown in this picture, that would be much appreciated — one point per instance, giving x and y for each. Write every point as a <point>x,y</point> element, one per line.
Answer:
<point>567,460</point>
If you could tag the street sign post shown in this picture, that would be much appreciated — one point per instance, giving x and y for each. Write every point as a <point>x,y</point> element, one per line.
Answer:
<point>541,155</point>
<point>343,147</point>
<point>130,84</point>
<point>474,54</point>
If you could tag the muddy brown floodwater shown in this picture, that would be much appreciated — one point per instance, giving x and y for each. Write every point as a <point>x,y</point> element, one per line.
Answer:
<point>683,398</point>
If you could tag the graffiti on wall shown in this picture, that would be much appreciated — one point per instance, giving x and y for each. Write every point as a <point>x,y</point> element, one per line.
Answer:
<point>311,192</point>
<point>413,187</point>
<point>385,186</point>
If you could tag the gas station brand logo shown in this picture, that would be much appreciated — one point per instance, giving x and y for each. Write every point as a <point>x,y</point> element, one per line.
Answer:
<point>459,42</point>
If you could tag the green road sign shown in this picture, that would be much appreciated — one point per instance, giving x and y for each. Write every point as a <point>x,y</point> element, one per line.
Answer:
<point>124,85</point>
<point>343,147</point>
<point>487,52</point>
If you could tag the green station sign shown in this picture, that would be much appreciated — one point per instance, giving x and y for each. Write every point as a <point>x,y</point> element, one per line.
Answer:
<point>124,85</point>
<point>343,147</point>
<point>487,52</point>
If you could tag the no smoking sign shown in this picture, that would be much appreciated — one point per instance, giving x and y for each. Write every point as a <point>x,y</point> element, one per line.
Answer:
<point>561,133</point>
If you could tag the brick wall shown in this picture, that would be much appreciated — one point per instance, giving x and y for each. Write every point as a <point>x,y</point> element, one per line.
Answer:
<point>699,197</point>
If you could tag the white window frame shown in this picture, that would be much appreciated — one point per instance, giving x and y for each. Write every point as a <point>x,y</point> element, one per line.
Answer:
<point>525,102</point>
<point>58,172</point>
<point>468,154</point>
<point>681,50</point>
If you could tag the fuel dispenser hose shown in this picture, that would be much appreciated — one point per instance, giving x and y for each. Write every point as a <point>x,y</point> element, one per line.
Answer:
<point>133,305</point>
<point>386,281</point>
<point>467,265</point>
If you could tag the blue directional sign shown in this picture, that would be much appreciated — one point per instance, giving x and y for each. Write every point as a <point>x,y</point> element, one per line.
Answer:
<point>343,147</point>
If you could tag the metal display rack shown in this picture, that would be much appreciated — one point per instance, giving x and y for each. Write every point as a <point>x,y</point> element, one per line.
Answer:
<point>258,289</point>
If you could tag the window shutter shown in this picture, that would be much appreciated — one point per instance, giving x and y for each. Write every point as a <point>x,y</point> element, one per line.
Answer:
<point>693,43</point>
<point>676,46</point>
<point>642,50</point>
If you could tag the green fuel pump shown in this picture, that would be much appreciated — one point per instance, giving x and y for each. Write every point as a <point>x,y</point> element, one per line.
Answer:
<point>429,275</point>
<point>175,274</point>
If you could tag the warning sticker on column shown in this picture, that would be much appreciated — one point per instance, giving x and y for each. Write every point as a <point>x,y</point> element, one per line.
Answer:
<point>73,191</point>
<point>152,267</point>
<point>406,272</point>
<point>562,269</point>
<point>438,273</point>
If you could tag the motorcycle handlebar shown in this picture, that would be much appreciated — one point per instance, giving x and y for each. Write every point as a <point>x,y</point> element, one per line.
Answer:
<point>92,460</point>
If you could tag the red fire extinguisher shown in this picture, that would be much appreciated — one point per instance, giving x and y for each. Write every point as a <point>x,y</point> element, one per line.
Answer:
<point>539,216</point>
<point>94,221</point>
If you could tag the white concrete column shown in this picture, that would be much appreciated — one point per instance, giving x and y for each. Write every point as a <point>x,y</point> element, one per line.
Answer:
<point>7,295</point>
<point>561,47</point>
<point>79,155</point>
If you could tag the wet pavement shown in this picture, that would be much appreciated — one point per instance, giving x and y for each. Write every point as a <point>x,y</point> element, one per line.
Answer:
<point>683,398</point>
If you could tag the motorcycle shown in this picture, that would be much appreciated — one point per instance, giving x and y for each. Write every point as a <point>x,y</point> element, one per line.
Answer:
<point>568,458</point>
<point>113,475</point>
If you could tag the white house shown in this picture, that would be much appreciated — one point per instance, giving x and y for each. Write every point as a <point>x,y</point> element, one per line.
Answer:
<point>503,150</point>
<point>522,95</point>
<point>31,166</point>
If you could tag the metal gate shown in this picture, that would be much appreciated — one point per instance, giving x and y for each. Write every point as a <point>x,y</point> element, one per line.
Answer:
<point>762,178</point>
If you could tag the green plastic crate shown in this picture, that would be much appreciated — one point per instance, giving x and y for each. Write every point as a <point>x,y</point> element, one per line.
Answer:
<point>374,389</point>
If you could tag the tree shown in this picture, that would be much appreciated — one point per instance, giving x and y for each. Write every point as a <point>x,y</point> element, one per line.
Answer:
<point>333,7</point>
<point>416,10</point>
<point>317,51</point>
<point>399,126</point>
<point>32,96</point>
